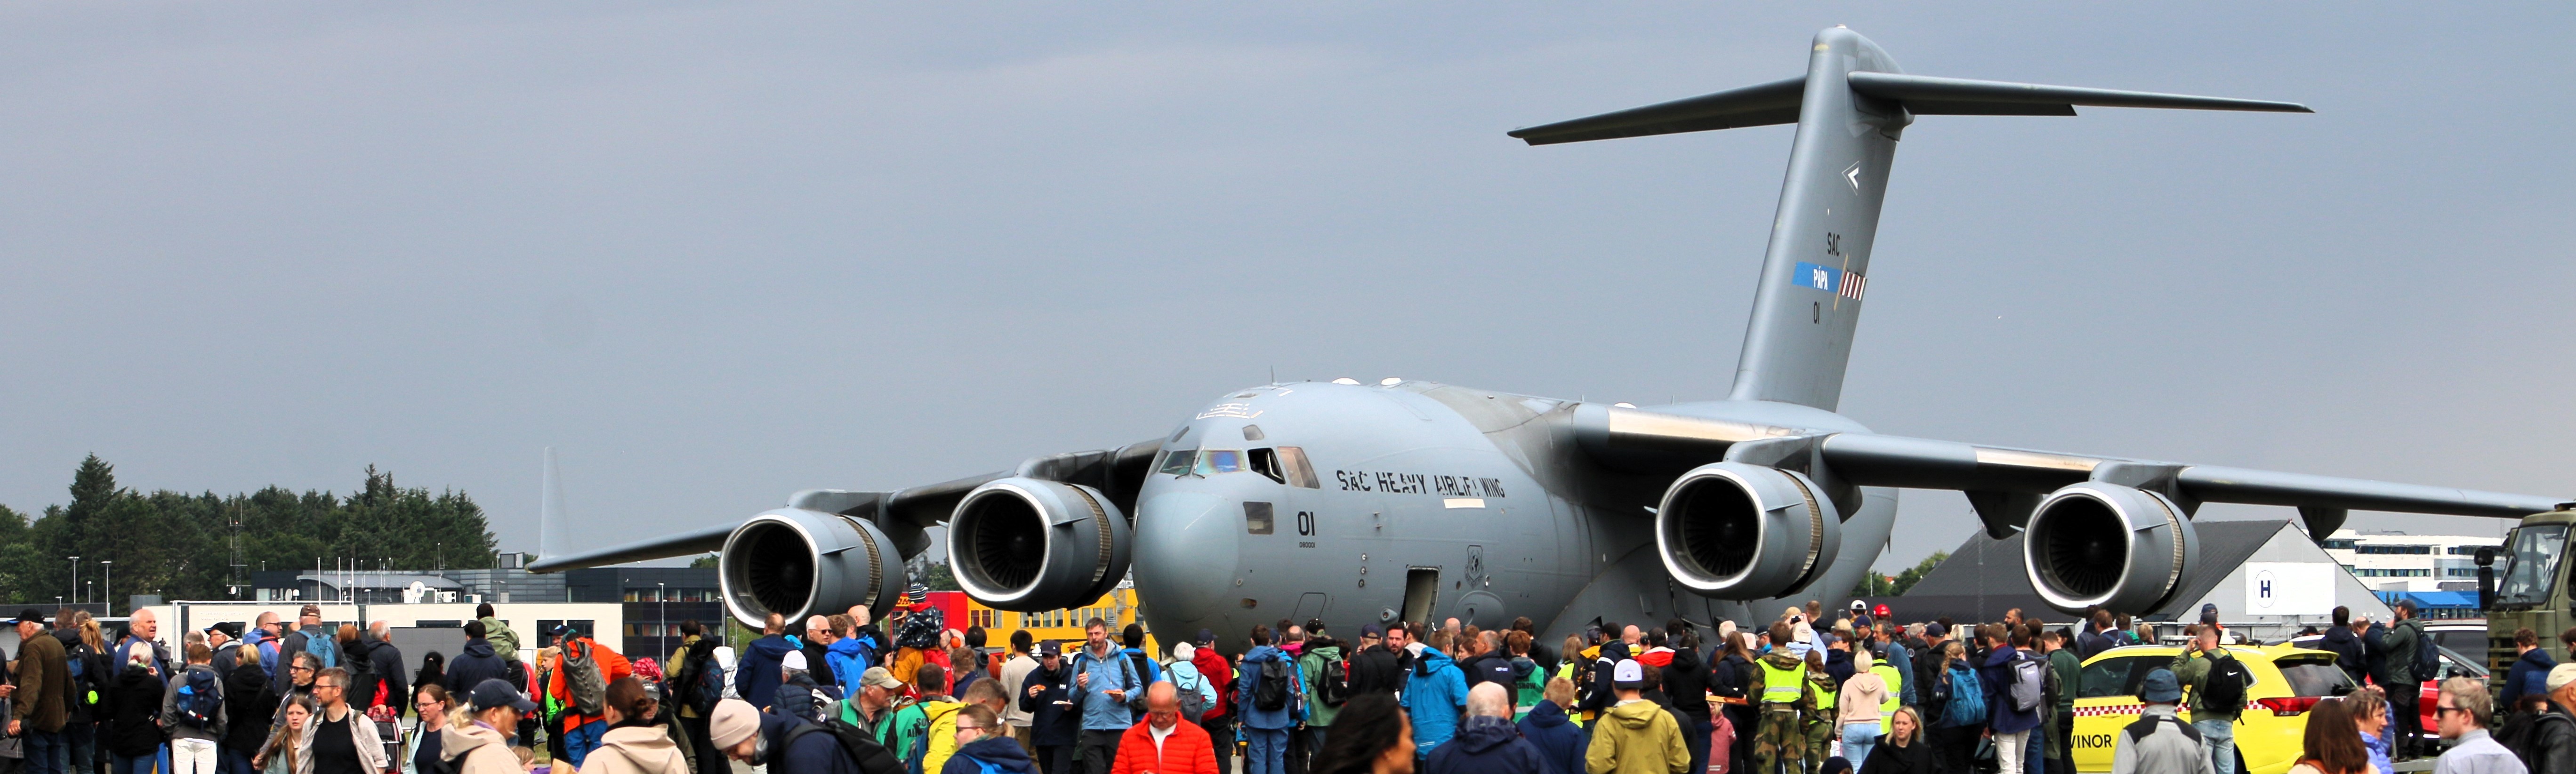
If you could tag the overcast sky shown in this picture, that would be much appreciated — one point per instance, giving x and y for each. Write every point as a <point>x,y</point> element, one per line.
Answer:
<point>716,253</point>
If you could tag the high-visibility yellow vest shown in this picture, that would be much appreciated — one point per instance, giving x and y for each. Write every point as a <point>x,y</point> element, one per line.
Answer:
<point>1824,696</point>
<point>1782,685</point>
<point>1895,686</point>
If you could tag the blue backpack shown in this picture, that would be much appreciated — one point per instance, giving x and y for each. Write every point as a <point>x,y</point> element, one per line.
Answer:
<point>199,698</point>
<point>321,647</point>
<point>1967,704</point>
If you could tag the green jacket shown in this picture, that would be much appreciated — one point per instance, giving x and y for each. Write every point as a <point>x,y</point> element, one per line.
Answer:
<point>1312,664</point>
<point>2070,671</point>
<point>2191,669</point>
<point>2401,641</point>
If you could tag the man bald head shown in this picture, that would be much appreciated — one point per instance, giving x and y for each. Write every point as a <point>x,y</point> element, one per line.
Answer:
<point>1488,699</point>
<point>1162,705</point>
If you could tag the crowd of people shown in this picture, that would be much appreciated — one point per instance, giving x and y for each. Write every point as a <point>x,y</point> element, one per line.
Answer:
<point>1805,693</point>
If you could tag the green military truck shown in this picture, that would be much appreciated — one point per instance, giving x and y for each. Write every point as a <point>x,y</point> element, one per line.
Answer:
<point>2528,586</point>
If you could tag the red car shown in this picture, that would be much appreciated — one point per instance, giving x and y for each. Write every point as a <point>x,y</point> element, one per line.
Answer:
<point>2451,637</point>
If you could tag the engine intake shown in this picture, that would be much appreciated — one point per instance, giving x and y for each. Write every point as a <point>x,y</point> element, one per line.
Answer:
<point>2122,548</point>
<point>796,562</point>
<point>1730,530</point>
<point>1027,545</point>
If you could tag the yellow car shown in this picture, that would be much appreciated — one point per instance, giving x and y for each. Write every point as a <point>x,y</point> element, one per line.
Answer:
<point>2288,680</point>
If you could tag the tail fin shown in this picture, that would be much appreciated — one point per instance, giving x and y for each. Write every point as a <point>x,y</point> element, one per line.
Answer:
<point>1851,107</point>
<point>550,514</point>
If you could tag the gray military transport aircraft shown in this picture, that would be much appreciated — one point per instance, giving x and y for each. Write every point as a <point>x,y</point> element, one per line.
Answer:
<point>1418,501</point>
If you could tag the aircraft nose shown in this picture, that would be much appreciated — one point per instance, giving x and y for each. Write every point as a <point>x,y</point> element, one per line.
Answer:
<point>1185,554</point>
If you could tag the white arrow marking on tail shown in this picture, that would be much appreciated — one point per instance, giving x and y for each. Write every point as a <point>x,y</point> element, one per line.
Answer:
<point>1851,174</point>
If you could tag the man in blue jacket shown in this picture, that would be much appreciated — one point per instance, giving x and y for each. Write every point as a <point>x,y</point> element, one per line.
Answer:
<point>756,680</point>
<point>2530,674</point>
<point>1104,681</point>
<point>478,661</point>
<point>1266,730</point>
<point>1434,695</point>
<point>1487,742</point>
<point>2009,723</point>
<point>1561,743</point>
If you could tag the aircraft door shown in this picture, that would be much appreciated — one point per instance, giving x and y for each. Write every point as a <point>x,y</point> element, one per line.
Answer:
<point>1421,591</point>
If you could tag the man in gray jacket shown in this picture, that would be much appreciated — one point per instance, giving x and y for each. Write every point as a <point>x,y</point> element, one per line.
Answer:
<point>2405,688</point>
<point>2159,742</point>
<point>192,712</point>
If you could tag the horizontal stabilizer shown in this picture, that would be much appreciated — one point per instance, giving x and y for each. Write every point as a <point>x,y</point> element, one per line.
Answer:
<point>1927,95</point>
<point>683,544</point>
<point>1760,105</point>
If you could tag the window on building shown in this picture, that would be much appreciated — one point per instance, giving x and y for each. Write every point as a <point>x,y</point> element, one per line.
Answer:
<point>2345,544</point>
<point>2393,550</point>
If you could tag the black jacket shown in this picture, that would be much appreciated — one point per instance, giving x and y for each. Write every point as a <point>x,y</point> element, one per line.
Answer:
<point>1599,692</point>
<point>473,665</point>
<point>1887,758</point>
<point>77,655</point>
<point>2551,748</point>
<point>2348,651</point>
<point>1495,667</point>
<point>1051,724</point>
<point>1686,682</point>
<point>1375,669</point>
<point>134,703</point>
<point>247,707</point>
<point>2377,652</point>
<point>385,662</point>
<point>815,663</point>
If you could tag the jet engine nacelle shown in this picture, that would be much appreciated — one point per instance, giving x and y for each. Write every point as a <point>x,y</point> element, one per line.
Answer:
<point>796,562</point>
<point>1026,544</point>
<point>1730,530</point>
<point>2123,548</point>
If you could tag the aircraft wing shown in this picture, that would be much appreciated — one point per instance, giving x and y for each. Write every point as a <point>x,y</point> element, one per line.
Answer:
<point>2005,483</point>
<point>903,514</point>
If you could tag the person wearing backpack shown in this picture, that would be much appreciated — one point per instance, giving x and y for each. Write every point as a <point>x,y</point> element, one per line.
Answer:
<point>1218,721</point>
<point>984,746</point>
<point>933,720</point>
<point>1327,680</point>
<point>2217,682</point>
<point>1105,685</point>
<point>2015,683</point>
<point>1433,696</point>
<point>308,624</point>
<point>1266,698</point>
<point>1193,690</point>
<point>2549,745</point>
<point>2159,742</point>
<point>1958,702</point>
<point>2411,657</point>
<point>581,672</point>
<point>192,713</point>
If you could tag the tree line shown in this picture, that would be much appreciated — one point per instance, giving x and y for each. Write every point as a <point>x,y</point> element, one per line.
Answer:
<point>183,546</point>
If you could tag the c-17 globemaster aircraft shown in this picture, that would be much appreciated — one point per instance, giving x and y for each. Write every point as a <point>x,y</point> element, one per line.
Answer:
<point>1419,501</point>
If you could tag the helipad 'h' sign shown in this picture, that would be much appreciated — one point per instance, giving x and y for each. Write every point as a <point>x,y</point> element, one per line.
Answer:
<point>2289,588</point>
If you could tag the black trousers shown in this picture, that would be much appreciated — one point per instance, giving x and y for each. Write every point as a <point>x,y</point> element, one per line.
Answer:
<point>1055,759</point>
<point>1954,749</point>
<point>2061,742</point>
<point>2405,715</point>
<point>1099,749</point>
<point>1221,738</point>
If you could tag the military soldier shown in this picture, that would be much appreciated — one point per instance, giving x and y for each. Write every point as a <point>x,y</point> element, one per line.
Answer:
<point>1818,714</point>
<point>1783,702</point>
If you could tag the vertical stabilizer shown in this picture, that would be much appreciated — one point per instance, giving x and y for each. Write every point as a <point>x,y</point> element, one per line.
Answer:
<point>1850,108</point>
<point>550,511</point>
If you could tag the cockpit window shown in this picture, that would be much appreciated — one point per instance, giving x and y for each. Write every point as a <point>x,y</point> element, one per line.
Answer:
<point>1252,433</point>
<point>1214,461</point>
<point>1292,461</point>
<point>1179,461</point>
<point>2530,565</point>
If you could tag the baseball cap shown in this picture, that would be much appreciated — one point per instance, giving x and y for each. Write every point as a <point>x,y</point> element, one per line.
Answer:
<point>795,659</point>
<point>2161,687</point>
<point>1935,630</point>
<point>497,692</point>
<point>1858,606</point>
<point>2209,612</point>
<point>2561,675</point>
<point>1373,630</point>
<point>1628,673</point>
<point>231,629</point>
<point>29,615</point>
<point>1208,637</point>
<point>1880,611</point>
<point>879,677</point>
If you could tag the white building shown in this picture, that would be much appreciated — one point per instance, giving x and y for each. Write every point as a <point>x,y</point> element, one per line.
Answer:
<point>2388,560</point>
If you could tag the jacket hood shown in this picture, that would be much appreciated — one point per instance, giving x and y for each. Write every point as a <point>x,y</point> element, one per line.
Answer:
<point>1430,661</point>
<point>1782,658</point>
<point>1262,653</point>
<point>1636,715</point>
<point>1522,667</point>
<point>478,647</point>
<point>1000,751</point>
<point>2340,634</point>
<point>2538,657</point>
<point>1685,660</point>
<point>459,741</point>
<point>847,646</point>
<point>644,739</point>
<point>1327,652</point>
<point>1481,733</point>
<point>1656,657</point>
<point>773,647</point>
<point>1547,715</point>
<point>2001,656</point>
<point>1183,669</point>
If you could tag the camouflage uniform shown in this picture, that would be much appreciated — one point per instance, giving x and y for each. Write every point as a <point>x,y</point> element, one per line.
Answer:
<point>1782,737</point>
<point>1818,714</point>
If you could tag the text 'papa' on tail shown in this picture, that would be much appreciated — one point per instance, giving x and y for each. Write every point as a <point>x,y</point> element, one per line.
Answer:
<point>1851,108</point>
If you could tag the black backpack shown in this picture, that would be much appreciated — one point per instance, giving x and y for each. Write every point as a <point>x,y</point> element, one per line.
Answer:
<point>863,750</point>
<point>2225,685</point>
<point>199,699</point>
<point>2428,656</point>
<point>1334,687</point>
<point>1270,691</point>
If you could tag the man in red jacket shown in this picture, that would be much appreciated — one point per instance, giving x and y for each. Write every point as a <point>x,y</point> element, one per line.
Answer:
<point>1162,744</point>
<point>1219,720</point>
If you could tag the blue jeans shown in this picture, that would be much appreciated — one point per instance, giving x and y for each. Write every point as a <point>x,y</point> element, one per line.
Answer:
<point>46,753</point>
<point>131,764</point>
<point>81,737</point>
<point>230,761</point>
<point>2034,760</point>
<point>1269,753</point>
<point>579,741</point>
<point>1858,740</point>
<point>2219,738</point>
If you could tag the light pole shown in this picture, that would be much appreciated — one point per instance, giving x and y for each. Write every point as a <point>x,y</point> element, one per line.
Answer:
<point>662,631</point>
<point>76,587</point>
<point>107,590</point>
